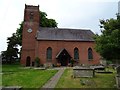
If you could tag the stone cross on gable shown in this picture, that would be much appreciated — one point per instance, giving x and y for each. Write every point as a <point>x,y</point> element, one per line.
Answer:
<point>118,70</point>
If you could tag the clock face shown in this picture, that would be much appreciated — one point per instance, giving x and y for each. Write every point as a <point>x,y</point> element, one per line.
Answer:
<point>29,30</point>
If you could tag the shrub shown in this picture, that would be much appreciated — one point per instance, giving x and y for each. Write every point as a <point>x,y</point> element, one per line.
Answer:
<point>72,61</point>
<point>37,61</point>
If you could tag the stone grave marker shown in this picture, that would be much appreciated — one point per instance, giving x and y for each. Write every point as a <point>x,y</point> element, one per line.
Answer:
<point>118,70</point>
<point>80,71</point>
<point>118,77</point>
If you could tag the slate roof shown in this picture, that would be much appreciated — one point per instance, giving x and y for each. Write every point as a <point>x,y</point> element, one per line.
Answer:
<point>64,34</point>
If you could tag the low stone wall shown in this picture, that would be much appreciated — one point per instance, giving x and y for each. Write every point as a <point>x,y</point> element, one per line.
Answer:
<point>12,88</point>
<point>83,72</point>
<point>118,81</point>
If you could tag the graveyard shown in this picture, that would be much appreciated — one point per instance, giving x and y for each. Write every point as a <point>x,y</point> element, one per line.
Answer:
<point>100,80</point>
<point>71,78</point>
<point>16,75</point>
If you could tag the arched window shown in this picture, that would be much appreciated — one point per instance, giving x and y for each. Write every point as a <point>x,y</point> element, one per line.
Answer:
<point>90,54</point>
<point>49,53</point>
<point>76,54</point>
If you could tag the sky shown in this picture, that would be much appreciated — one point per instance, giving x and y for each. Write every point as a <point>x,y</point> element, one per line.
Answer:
<point>77,14</point>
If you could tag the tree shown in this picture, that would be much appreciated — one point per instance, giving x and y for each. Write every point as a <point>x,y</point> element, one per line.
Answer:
<point>12,51</point>
<point>108,43</point>
<point>16,39</point>
<point>45,22</point>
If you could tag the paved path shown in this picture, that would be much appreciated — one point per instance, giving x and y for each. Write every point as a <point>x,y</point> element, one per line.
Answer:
<point>53,81</point>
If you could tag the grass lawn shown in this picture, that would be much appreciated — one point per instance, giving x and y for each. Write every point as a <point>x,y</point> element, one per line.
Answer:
<point>27,78</point>
<point>99,81</point>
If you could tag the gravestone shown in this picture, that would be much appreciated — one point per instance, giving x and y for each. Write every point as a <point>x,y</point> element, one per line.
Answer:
<point>99,67</point>
<point>118,77</point>
<point>80,71</point>
<point>118,70</point>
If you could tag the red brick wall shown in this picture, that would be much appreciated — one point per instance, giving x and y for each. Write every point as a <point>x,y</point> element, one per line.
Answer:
<point>33,48</point>
<point>69,46</point>
<point>28,39</point>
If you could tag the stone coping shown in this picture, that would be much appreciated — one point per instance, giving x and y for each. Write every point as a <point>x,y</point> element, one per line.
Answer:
<point>82,68</point>
<point>41,68</point>
<point>12,88</point>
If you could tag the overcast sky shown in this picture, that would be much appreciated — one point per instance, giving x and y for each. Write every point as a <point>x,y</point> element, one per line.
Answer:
<point>82,14</point>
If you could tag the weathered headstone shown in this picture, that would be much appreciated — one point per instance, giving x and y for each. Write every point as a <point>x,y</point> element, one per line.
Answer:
<point>80,71</point>
<point>118,77</point>
<point>118,70</point>
<point>99,67</point>
<point>103,62</point>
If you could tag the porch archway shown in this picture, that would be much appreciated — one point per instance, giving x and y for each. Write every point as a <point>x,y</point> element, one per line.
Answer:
<point>63,57</point>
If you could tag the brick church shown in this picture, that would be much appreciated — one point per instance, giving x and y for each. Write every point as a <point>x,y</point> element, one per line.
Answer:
<point>55,45</point>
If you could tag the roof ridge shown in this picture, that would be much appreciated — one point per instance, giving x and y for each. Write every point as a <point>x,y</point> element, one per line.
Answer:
<point>63,28</point>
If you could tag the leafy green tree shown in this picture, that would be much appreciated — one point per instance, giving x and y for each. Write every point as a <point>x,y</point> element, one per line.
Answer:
<point>12,51</point>
<point>16,39</point>
<point>45,22</point>
<point>108,43</point>
<point>19,34</point>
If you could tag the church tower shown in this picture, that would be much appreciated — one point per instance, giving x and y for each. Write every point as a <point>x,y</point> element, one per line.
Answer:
<point>30,27</point>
